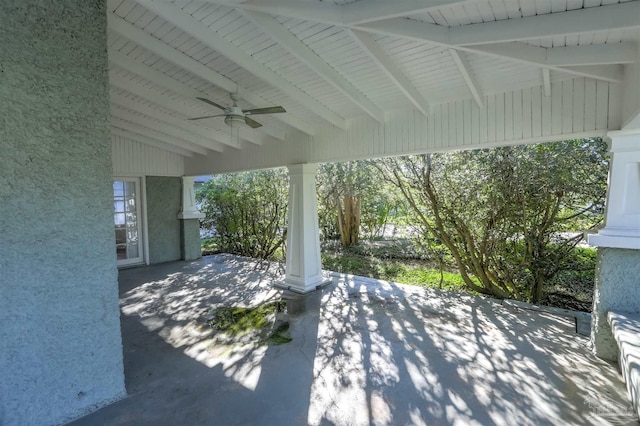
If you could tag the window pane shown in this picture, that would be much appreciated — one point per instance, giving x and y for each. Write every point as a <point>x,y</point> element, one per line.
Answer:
<point>131,205</point>
<point>118,189</point>
<point>118,206</point>
<point>118,218</point>
<point>130,189</point>
<point>121,235</point>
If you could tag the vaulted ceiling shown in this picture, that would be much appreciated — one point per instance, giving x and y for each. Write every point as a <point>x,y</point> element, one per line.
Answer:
<point>328,62</point>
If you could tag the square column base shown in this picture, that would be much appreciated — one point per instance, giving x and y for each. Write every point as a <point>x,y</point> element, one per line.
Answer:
<point>190,245</point>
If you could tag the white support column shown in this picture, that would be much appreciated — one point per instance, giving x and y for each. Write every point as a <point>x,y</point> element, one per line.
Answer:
<point>189,207</point>
<point>617,281</point>
<point>303,272</point>
<point>190,245</point>
<point>622,227</point>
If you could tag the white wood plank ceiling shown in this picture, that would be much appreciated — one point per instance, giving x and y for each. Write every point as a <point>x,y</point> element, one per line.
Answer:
<point>330,62</point>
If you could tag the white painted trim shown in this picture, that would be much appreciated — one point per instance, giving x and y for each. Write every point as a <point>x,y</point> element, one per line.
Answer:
<point>189,208</point>
<point>632,124</point>
<point>160,126</point>
<point>150,141</point>
<point>341,15</point>
<point>577,108</point>
<point>621,53</point>
<point>162,80</point>
<point>610,73</point>
<point>388,66</point>
<point>607,54</point>
<point>303,272</point>
<point>376,10</point>
<point>129,31</point>
<point>308,57</point>
<point>630,241</point>
<point>467,75</point>
<point>324,12</point>
<point>145,222</point>
<point>425,32</point>
<point>198,30</point>
<point>221,136</point>
<point>155,134</point>
<point>546,82</point>
<point>622,208</point>
<point>140,216</point>
<point>602,18</point>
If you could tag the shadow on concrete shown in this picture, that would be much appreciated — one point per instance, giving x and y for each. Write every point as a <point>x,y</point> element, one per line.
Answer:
<point>176,375</point>
<point>364,352</point>
<point>403,355</point>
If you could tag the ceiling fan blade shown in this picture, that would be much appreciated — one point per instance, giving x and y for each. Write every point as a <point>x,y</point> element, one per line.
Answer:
<point>252,123</point>
<point>268,110</point>
<point>211,103</point>
<point>206,116</point>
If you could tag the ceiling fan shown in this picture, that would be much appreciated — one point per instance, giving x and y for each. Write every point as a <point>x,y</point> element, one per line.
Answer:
<point>234,116</point>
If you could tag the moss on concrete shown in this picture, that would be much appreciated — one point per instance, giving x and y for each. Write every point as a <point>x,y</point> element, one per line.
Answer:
<point>263,323</point>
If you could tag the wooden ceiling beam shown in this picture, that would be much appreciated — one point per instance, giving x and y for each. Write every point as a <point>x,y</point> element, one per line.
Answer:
<point>201,32</point>
<point>166,52</point>
<point>308,57</point>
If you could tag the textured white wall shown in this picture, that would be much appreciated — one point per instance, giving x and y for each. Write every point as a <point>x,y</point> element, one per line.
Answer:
<point>576,108</point>
<point>60,344</point>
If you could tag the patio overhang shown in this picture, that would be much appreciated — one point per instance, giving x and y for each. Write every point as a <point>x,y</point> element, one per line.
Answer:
<point>367,78</point>
<point>93,90</point>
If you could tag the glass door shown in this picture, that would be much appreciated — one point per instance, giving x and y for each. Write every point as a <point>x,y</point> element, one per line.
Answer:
<point>126,215</point>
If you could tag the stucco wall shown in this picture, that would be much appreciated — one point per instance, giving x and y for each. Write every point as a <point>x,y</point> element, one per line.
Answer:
<point>164,197</point>
<point>60,344</point>
<point>617,287</point>
<point>191,245</point>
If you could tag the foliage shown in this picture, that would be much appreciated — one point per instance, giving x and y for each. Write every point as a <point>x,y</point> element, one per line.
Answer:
<point>340,192</point>
<point>503,214</point>
<point>209,246</point>
<point>352,199</point>
<point>246,212</point>
<point>404,271</point>
<point>570,288</point>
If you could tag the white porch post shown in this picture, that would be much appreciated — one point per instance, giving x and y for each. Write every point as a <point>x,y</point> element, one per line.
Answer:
<point>189,221</point>
<point>303,272</point>
<point>189,208</point>
<point>617,282</point>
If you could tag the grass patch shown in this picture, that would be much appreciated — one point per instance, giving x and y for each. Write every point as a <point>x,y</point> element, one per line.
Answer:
<point>413,272</point>
<point>209,246</point>
<point>429,277</point>
<point>570,288</point>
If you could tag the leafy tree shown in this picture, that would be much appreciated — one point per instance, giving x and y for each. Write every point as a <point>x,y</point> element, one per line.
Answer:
<point>341,187</point>
<point>504,214</point>
<point>352,198</point>
<point>381,205</point>
<point>247,211</point>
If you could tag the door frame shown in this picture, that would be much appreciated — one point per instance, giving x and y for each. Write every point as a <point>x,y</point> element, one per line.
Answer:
<point>141,212</point>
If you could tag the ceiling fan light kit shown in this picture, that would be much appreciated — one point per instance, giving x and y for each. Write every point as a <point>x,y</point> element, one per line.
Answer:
<point>234,121</point>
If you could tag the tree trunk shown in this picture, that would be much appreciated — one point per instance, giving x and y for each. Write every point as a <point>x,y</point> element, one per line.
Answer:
<point>348,219</point>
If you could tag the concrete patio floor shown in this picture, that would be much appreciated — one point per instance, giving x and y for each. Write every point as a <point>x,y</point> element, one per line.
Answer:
<point>364,352</point>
